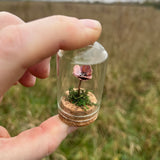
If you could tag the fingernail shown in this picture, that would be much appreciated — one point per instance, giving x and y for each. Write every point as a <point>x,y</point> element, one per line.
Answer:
<point>93,24</point>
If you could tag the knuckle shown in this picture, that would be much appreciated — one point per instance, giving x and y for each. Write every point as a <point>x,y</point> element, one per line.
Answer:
<point>10,40</point>
<point>5,14</point>
<point>9,17</point>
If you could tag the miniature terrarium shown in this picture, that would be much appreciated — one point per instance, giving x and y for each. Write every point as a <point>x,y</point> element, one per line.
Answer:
<point>80,81</point>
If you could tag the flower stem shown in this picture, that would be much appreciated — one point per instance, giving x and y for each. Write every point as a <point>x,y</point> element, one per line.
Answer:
<point>79,85</point>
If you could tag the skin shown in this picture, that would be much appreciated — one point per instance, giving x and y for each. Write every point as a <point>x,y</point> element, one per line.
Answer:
<point>25,51</point>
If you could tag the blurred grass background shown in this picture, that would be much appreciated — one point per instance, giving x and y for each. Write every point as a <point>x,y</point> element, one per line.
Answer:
<point>128,126</point>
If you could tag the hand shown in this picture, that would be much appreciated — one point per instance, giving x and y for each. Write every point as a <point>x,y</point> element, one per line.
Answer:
<point>25,50</point>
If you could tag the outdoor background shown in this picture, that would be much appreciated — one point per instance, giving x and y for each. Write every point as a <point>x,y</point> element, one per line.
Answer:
<point>128,126</point>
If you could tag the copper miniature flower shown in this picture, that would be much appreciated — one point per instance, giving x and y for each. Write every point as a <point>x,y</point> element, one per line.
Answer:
<point>83,72</point>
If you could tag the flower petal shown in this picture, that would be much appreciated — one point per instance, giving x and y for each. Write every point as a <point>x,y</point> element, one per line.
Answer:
<point>86,69</point>
<point>83,72</point>
<point>76,70</point>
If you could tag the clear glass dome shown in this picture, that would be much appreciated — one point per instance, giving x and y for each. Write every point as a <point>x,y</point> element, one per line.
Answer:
<point>80,81</point>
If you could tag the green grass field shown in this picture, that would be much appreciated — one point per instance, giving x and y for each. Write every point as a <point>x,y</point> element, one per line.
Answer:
<point>128,126</point>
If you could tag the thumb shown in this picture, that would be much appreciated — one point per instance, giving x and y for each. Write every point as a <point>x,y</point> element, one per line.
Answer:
<point>35,143</point>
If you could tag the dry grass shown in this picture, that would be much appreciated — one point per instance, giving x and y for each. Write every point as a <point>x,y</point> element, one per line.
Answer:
<point>128,127</point>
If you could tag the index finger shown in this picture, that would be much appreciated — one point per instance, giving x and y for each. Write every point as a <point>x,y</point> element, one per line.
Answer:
<point>24,45</point>
<point>42,38</point>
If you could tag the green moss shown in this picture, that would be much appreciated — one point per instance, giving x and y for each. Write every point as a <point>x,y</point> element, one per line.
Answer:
<point>81,99</point>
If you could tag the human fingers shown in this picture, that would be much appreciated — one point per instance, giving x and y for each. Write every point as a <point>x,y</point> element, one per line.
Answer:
<point>4,133</point>
<point>27,80</point>
<point>37,142</point>
<point>42,69</point>
<point>24,45</point>
<point>7,19</point>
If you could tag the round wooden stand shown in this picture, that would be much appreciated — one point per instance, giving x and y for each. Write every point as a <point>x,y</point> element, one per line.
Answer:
<point>77,116</point>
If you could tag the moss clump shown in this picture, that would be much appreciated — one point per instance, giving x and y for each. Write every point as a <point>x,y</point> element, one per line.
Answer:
<point>80,99</point>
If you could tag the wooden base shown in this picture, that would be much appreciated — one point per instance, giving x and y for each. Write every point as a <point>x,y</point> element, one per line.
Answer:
<point>77,116</point>
<point>72,122</point>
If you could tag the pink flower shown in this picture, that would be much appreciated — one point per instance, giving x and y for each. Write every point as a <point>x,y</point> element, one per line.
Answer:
<point>83,72</point>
